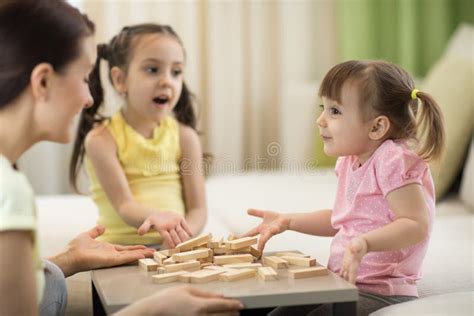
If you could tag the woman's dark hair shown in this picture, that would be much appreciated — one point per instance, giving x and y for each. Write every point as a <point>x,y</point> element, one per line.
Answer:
<point>386,89</point>
<point>118,53</point>
<point>34,32</point>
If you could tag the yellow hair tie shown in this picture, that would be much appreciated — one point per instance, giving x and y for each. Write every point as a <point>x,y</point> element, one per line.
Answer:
<point>413,94</point>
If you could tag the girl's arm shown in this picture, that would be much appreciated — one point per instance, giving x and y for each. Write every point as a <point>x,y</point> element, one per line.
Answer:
<point>409,227</point>
<point>17,279</point>
<point>193,179</point>
<point>316,223</point>
<point>102,151</point>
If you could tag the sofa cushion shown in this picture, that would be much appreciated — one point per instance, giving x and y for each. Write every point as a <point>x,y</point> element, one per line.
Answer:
<point>460,303</point>
<point>450,82</point>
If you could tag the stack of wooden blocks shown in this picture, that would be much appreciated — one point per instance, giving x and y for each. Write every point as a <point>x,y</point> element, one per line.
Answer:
<point>204,259</point>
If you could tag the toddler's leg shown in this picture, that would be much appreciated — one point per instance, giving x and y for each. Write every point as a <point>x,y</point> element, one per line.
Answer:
<point>55,291</point>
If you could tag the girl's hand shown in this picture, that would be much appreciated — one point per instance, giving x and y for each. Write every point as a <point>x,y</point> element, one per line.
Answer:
<point>273,223</point>
<point>353,255</point>
<point>171,226</point>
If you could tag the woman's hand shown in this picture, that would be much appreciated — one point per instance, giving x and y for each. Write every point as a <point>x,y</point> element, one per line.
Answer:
<point>171,226</point>
<point>84,253</point>
<point>353,255</point>
<point>273,223</point>
<point>183,300</point>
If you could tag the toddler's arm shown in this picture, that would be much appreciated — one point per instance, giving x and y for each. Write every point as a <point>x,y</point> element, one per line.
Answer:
<point>316,223</point>
<point>409,227</point>
<point>191,168</point>
<point>411,223</point>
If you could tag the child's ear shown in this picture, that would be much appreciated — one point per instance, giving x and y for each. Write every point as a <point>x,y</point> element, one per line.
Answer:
<point>119,80</point>
<point>380,127</point>
<point>40,81</point>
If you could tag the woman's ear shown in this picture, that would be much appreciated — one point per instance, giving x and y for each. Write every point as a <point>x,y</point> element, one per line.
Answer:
<point>119,80</point>
<point>380,127</point>
<point>40,81</point>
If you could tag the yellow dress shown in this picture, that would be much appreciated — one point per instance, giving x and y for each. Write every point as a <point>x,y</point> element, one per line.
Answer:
<point>152,170</point>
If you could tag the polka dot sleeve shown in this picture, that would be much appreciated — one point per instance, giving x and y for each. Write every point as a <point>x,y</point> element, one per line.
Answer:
<point>396,167</point>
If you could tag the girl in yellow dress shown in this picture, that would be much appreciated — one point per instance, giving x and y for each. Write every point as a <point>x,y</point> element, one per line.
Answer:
<point>145,162</point>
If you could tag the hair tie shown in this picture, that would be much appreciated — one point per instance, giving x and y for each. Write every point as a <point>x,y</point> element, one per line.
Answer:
<point>413,94</point>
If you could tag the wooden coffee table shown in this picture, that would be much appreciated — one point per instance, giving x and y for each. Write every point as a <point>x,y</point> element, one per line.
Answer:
<point>115,288</point>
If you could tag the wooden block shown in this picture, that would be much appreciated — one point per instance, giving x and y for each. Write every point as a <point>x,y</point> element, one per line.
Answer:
<point>194,242</point>
<point>300,261</point>
<point>205,276</point>
<point>233,259</point>
<point>167,277</point>
<point>307,273</point>
<point>220,268</point>
<point>205,264</point>
<point>267,274</point>
<point>168,261</point>
<point>159,257</point>
<point>160,270</point>
<point>292,254</point>
<point>188,266</point>
<point>243,266</point>
<point>214,243</point>
<point>241,242</point>
<point>185,278</point>
<point>148,264</point>
<point>255,252</point>
<point>231,237</point>
<point>169,252</point>
<point>191,255</point>
<point>236,275</point>
<point>275,262</point>
<point>221,250</point>
<point>238,251</point>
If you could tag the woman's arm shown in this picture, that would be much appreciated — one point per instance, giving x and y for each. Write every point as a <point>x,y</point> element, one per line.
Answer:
<point>17,278</point>
<point>102,151</point>
<point>85,253</point>
<point>191,168</point>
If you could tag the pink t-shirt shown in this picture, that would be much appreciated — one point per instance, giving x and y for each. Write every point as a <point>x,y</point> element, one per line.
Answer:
<point>361,206</point>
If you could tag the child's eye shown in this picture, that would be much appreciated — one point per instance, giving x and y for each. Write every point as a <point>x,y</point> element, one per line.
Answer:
<point>177,72</point>
<point>334,111</point>
<point>151,70</point>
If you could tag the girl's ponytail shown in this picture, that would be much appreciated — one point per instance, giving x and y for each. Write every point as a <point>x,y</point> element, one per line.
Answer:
<point>89,117</point>
<point>430,128</point>
<point>184,111</point>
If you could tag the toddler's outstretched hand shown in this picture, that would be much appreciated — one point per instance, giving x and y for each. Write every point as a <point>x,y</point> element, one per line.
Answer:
<point>273,223</point>
<point>353,255</point>
<point>171,226</point>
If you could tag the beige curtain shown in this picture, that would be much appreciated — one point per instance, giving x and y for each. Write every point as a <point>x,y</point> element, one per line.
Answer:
<point>249,63</point>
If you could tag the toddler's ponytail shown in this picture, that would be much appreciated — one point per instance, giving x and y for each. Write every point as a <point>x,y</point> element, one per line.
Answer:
<point>430,128</point>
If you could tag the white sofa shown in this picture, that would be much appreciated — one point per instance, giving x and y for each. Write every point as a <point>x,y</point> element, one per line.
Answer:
<point>448,266</point>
